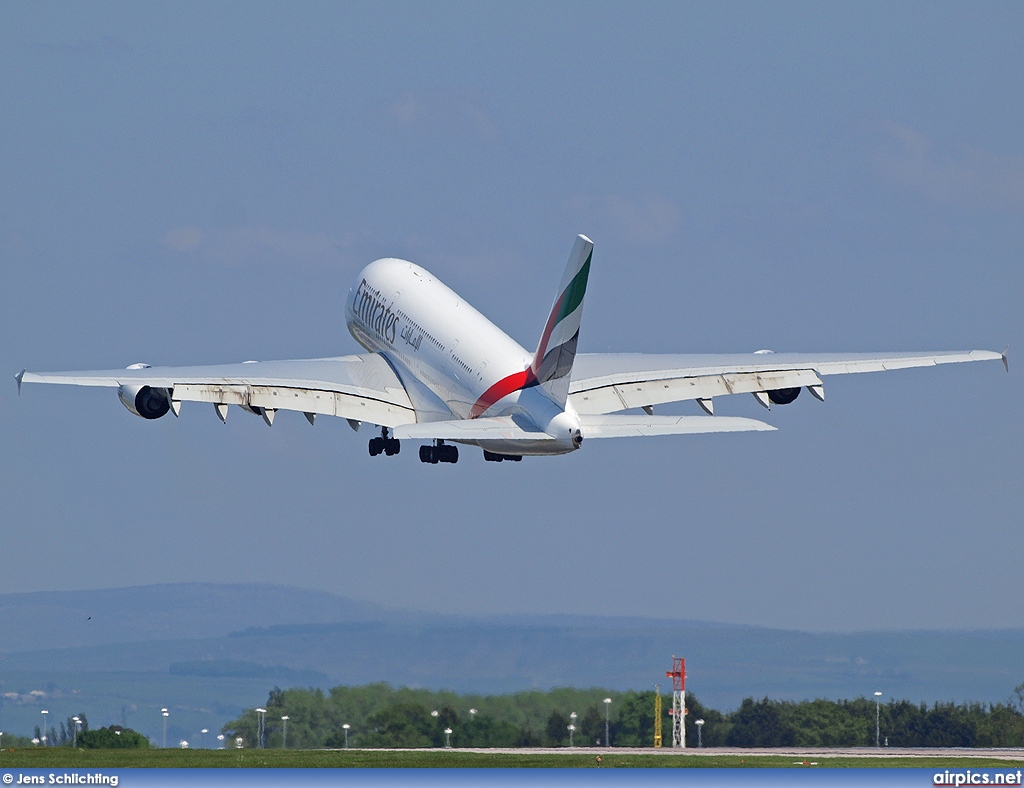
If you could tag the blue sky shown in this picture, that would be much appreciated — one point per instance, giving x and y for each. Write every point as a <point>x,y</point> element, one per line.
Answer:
<point>195,183</point>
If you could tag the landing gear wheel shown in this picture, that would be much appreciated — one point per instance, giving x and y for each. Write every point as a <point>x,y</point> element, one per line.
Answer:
<point>384,444</point>
<point>439,453</point>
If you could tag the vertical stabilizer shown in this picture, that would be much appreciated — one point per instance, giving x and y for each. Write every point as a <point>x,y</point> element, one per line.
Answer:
<point>556,351</point>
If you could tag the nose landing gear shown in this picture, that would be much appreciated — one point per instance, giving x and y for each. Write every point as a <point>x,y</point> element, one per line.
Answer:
<point>440,452</point>
<point>384,444</point>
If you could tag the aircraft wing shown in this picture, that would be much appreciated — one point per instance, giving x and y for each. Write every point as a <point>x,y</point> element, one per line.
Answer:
<point>610,382</point>
<point>360,388</point>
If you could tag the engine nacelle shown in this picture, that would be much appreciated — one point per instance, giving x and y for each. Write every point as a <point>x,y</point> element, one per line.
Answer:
<point>145,401</point>
<point>783,396</point>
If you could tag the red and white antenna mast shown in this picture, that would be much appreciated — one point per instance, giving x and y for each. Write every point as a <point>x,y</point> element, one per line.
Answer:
<point>678,676</point>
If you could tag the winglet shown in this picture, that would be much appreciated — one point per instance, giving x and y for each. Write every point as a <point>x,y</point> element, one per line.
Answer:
<point>1003,355</point>
<point>21,376</point>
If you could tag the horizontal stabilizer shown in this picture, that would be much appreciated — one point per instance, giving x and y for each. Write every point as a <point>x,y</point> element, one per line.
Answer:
<point>630,426</point>
<point>497,428</point>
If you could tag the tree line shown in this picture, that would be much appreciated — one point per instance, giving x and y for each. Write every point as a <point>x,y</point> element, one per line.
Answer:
<point>75,732</point>
<point>378,715</point>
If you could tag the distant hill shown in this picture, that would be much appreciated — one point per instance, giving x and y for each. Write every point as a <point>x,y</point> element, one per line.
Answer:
<point>724,664</point>
<point>213,649</point>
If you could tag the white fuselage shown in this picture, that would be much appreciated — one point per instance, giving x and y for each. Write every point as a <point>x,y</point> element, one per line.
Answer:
<point>452,360</point>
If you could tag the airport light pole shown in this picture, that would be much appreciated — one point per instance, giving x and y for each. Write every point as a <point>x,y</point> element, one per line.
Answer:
<point>203,733</point>
<point>74,732</point>
<point>699,724</point>
<point>878,699</point>
<point>260,717</point>
<point>607,706</point>
<point>284,732</point>
<point>447,738</point>
<point>220,738</point>
<point>166,714</point>
<point>572,729</point>
<point>572,726</point>
<point>44,712</point>
<point>345,728</point>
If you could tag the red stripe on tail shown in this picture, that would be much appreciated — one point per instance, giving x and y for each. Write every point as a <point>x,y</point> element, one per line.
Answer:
<point>542,347</point>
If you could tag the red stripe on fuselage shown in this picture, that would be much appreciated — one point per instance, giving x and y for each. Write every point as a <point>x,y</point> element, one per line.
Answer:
<point>504,387</point>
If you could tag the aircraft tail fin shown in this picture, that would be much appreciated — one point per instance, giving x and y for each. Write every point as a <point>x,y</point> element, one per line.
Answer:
<point>556,351</point>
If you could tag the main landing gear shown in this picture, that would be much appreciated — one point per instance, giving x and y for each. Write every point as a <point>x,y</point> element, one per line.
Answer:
<point>384,444</point>
<point>490,456</point>
<point>440,452</point>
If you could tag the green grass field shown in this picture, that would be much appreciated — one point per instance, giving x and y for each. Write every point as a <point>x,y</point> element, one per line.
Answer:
<point>65,758</point>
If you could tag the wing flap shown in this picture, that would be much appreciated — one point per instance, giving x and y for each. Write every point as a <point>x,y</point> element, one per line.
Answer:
<point>361,388</point>
<point>638,394</point>
<point>304,400</point>
<point>608,382</point>
<point>629,426</point>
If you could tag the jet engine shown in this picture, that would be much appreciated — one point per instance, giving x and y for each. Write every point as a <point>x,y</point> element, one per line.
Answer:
<point>145,401</point>
<point>783,396</point>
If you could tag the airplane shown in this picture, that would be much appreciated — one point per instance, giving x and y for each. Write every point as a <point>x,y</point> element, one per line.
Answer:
<point>437,371</point>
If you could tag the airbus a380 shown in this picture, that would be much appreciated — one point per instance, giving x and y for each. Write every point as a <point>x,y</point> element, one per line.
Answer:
<point>437,371</point>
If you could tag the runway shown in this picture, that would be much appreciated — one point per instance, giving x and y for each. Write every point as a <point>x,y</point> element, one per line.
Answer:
<point>797,753</point>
